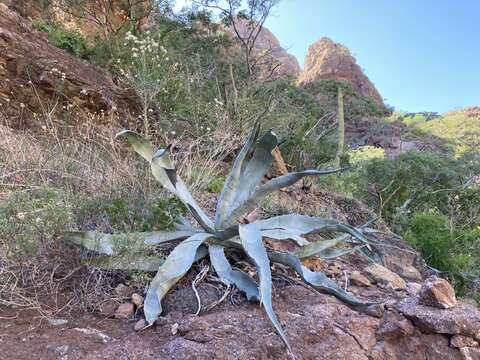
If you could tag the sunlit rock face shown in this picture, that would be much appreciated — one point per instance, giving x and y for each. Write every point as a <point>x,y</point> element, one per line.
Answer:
<point>327,60</point>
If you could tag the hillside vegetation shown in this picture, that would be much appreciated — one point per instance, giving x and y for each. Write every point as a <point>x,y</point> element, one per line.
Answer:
<point>189,82</point>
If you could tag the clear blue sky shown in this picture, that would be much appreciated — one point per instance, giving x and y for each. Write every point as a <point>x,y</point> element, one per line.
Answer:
<point>422,55</point>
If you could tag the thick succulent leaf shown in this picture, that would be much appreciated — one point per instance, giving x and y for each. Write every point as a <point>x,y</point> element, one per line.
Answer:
<point>251,239</point>
<point>173,269</point>
<point>233,180</point>
<point>139,262</point>
<point>115,244</point>
<point>317,280</point>
<point>142,146</point>
<point>275,185</point>
<point>165,173</point>
<point>334,253</point>
<point>315,248</point>
<point>303,225</point>
<point>254,171</point>
<point>282,234</point>
<point>230,276</point>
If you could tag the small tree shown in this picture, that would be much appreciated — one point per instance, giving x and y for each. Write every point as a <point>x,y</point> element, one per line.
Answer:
<point>148,69</point>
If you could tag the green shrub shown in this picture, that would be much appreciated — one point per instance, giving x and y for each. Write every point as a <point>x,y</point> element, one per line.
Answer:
<point>447,248</point>
<point>30,221</point>
<point>215,185</point>
<point>364,154</point>
<point>432,235</point>
<point>69,40</point>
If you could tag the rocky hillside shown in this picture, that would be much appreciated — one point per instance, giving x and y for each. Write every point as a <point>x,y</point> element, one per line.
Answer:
<point>36,76</point>
<point>417,320</point>
<point>332,61</point>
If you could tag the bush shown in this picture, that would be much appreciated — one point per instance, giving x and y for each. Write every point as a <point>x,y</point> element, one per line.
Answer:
<point>123,212</point>
<point>447,248</point>
<point>215,185</point>
<point>30,221</point>
<point>434,237</point>
<point>69,40</point>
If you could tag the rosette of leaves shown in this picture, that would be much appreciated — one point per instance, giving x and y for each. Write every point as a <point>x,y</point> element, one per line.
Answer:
<point>242,190</point>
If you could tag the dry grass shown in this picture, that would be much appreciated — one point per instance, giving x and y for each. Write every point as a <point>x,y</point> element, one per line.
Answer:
<point>82,162</point>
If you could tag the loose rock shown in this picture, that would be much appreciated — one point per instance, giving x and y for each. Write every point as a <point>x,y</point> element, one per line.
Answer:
<point>382,275</point>
<point>124,291</point>
<point>357,279</point>
<point>140,325</point>
<point>125,311</point>
<point>137,299</point>
<point>413,288</point>
<point>438,293</point>
<point>107,308</point>
<point>460,341</point>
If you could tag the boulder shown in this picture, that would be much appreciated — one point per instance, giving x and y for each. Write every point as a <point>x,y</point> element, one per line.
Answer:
<point>438,293</point>
<point>463,319</point>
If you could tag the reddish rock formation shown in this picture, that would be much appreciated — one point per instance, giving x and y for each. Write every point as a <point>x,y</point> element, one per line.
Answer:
<point>267,50</point>
<point>332,61</point>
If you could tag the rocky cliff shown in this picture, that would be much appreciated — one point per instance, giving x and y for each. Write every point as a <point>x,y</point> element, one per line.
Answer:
<point>329,60</point>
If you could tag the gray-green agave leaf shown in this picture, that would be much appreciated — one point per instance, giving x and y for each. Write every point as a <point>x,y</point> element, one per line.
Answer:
<point>116,244</point>
<point>224,205</point>
<point>230,276</point>
<point>317,280</point>
<point>303,225</point>
<point>138,262</point>
<point>178,262</point>
<point>274,185</point>
<point>251,239</point>
<point>165,173</point>
<point>252,174</point>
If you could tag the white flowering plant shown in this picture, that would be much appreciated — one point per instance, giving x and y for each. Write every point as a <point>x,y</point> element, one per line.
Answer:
<point>146,65</point>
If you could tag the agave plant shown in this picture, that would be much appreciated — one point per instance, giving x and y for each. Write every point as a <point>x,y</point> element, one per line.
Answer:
<point>242,191</point>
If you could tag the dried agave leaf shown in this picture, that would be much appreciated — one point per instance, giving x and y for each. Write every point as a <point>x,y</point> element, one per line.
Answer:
<point>139,262</point>
<point>251,239</point>
<point>304,225</point>
<point>317,279</point>
<point>115,244</point>
<point>233,180</point>
<point>315,248</point>
<point>230,276</point>
<point>284,234</point>
<point>173,269</point>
